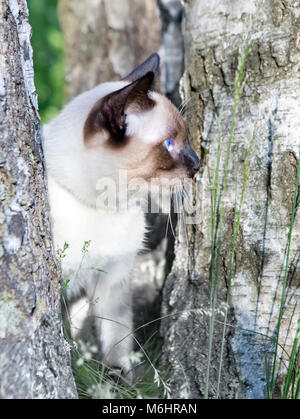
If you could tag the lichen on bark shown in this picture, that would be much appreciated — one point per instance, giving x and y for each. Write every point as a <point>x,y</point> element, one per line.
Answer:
<point>215,35</point>
<point>34,361</point>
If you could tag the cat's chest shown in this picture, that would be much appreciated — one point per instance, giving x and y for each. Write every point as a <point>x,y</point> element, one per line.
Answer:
<point>88,231</point>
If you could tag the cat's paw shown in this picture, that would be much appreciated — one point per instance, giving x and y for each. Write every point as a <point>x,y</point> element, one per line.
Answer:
<point>121,375</point>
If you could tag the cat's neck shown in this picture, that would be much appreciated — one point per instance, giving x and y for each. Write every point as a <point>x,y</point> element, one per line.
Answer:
<point>108,202</point>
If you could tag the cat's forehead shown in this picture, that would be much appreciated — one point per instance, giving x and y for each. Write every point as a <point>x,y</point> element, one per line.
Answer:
<point>163,121</point>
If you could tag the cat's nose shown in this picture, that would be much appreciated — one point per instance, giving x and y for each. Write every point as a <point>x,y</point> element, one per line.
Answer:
<point>190,159</point>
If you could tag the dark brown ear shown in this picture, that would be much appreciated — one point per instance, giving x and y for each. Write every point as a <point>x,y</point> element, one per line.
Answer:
<point>151,64</point>
<point>109,113</point>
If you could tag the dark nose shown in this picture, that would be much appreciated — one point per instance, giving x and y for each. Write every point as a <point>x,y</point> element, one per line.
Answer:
<point>190,159</point>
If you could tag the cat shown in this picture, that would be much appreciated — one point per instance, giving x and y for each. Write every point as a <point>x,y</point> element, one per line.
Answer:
<point>119,125</point>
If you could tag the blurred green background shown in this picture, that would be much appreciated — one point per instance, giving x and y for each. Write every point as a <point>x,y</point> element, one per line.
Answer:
<point>48,47</point>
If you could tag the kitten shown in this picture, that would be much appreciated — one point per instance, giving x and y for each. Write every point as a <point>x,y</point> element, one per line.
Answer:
<point>120,125</point>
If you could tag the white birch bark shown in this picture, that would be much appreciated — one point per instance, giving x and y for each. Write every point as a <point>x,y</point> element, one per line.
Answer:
<point>215,33</point>
<point>34,358</point>
<point>105,40</point>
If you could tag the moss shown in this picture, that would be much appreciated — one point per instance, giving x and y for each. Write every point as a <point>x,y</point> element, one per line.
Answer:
<point>256,98</point>
<point>6,297</point>
<point>11,318</point>
<point>284,180</point>
<point>197,74</point>
<point>248,258</point>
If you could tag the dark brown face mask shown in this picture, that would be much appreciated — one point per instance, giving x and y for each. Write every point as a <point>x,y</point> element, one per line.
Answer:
<point>109,113</point>
<point>109,118</point>
<point>189,159</point>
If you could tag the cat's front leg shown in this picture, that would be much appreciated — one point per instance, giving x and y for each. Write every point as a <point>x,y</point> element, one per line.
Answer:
<point>111,308</point>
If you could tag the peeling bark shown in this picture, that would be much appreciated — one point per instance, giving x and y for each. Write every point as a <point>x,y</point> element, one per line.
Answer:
<point>34,358</point>
<point>215,33</point>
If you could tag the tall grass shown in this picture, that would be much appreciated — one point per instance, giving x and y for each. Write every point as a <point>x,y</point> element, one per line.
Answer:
<point>293,374</point>
<point>95,379</point>
<point>93,376</point>
<point>219,191</point>
<point>237,218</point>
<point>291,386</point>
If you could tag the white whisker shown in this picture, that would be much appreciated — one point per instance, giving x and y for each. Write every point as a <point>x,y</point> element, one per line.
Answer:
<point>182,108</point>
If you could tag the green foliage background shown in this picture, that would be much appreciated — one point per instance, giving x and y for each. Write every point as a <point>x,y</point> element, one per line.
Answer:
<point>48,46</point>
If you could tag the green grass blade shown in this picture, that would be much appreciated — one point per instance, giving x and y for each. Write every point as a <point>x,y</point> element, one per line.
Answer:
<point>283,294</point>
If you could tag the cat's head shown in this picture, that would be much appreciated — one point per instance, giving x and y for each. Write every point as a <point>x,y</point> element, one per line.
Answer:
<point>119,126</point>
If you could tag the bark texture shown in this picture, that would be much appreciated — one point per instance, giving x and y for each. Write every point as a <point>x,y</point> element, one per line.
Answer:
<point>105,40</point>
<point>34,358</point>
<point>215,34</point>
<point>171,49</point>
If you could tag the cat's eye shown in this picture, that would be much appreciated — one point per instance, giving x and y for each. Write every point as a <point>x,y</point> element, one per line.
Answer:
<point>170,143</point>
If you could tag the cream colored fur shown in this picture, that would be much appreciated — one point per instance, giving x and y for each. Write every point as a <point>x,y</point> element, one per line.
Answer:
<point>81,148</point>
<point>115,238</point>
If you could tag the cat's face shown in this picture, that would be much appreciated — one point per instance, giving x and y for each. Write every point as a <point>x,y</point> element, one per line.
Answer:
<point>144,132</point>
<point>130,129</point>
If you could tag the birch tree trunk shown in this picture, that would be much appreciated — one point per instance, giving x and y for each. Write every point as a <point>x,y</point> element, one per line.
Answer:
<point>105,40</point>
<point>34,357</point>
<point>215,34</point>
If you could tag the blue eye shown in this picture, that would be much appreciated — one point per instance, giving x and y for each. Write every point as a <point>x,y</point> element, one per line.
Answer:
<point>170,143</point>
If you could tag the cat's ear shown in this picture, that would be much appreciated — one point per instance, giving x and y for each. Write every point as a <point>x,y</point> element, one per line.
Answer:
<point>151,64</point>
<point>109,113</point>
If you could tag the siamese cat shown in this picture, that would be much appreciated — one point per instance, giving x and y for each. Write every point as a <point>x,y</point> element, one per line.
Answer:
<point>120,125</point>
